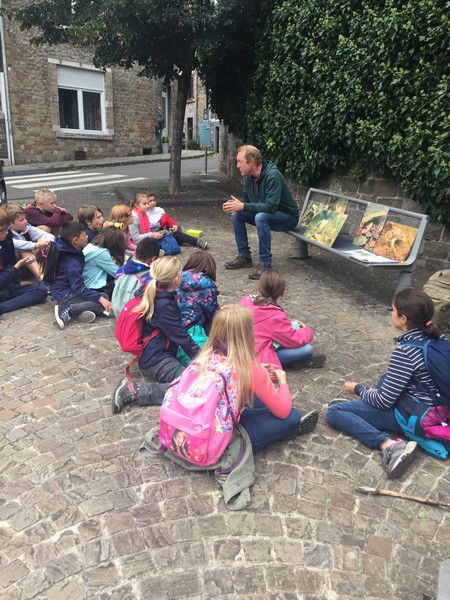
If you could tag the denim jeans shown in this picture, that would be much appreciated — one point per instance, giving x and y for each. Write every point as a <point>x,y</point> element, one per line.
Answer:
<point>288,356</point>
<point>77,304</point>
<point>363,422</point>
<point>21,296</point>
<point>265,223</point>
<point>264,428</point>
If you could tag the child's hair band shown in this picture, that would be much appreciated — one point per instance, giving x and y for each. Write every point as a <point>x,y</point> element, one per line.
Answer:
<point>428,323</point>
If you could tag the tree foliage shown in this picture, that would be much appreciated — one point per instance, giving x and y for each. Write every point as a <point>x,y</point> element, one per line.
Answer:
<point>160,37</point>
<point>358,85</point>
<point>227,60</point>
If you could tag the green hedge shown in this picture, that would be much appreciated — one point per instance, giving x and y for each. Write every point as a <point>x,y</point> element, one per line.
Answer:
<point>359,86</point>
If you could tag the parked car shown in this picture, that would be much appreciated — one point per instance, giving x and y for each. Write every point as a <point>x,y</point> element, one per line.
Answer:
<point>2,185</point>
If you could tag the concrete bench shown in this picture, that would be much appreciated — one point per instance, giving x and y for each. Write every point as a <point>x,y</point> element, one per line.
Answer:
<point>343,245</point>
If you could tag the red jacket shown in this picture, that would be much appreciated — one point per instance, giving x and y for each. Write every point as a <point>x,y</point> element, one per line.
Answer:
<point>36,217</point>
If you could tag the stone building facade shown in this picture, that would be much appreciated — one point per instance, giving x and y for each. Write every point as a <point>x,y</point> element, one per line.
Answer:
<point>62,108</point>
<point>435,252</point>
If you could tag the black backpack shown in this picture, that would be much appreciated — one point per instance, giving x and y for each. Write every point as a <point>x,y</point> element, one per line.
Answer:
<point>49,262</point>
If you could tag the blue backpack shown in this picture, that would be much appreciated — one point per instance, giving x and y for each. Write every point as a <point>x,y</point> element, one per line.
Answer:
<point>170,245</point>
<point>436,355</point>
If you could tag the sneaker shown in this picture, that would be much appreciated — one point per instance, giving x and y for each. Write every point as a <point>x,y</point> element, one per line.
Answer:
<point>397,457</point>
<point>315,362</point>
<point>62,316</point>
<point>125,393</point>
<point>87,316</point>
<point>308,422</point>
<point>240,262</point>
<point>260,269</point>
<point>201,244</point>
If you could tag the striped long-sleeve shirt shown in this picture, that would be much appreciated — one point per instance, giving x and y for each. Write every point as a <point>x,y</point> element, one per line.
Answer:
<point>405,362</point>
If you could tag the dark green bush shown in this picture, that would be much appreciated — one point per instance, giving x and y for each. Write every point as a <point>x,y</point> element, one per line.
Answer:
<point>192,145</point>
<point>358,85</point>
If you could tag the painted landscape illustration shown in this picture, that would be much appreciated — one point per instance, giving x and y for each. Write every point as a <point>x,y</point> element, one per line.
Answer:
<point>325,226</point>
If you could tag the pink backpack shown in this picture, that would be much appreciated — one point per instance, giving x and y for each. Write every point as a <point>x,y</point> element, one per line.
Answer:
<point>198,416</point>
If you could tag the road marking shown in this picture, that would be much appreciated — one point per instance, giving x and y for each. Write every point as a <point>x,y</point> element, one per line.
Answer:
<point>73,187</point>
<point>39,176</point>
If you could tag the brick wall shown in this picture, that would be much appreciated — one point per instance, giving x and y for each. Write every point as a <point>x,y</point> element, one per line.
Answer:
<point>435,253</point>
<point>133,105</point>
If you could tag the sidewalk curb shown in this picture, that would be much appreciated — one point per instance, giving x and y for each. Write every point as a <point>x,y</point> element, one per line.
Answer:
<point>75,165</point>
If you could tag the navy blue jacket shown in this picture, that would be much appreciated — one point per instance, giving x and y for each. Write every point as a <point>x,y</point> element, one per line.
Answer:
<point>69,274</point>
<point>8,272</point>
<point>166,318</point>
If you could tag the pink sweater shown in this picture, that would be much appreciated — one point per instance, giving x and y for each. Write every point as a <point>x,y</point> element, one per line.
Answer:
<point>278,400</point>
<point>271,324</point>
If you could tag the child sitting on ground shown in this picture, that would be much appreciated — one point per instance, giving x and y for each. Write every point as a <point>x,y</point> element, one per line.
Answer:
<point>103,256</point>
<point>197,298</point>
<point>161,312</point>
<point>121,216</point>
<point>14,296</point>
<point>153,221</point>
<point>74,298</point>
<point>134,274</point>
<point>92,219</point>
<point>406,381</point>
<point>292,339</point>
<point>28,240</point>
<point>45,214</point>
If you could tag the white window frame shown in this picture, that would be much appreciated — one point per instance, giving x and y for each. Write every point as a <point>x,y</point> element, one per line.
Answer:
<point>80,77</point>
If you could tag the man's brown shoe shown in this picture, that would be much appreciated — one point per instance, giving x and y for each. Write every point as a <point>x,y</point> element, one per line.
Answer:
<point>240,262</point>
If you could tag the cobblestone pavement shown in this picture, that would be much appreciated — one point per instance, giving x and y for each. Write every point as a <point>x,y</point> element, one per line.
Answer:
<point>83,515</point>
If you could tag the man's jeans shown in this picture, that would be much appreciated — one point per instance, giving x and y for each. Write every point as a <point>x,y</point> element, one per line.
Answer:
<point>265,223</point>
<point>264,428</point>
<point>366,423</point>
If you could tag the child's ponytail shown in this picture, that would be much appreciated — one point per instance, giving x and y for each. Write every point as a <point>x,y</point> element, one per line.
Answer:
<point>163,271</point>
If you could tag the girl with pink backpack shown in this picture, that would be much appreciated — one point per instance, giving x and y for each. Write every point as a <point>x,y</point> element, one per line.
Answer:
<point>223,385</point>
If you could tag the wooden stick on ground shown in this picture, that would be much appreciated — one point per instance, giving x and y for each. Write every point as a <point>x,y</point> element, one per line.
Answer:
<point>379,492</point>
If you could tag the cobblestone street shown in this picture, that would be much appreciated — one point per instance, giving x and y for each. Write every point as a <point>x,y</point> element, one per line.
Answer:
<point>85,516</point>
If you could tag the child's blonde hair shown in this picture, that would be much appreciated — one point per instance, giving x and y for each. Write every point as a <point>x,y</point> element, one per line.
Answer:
<point>232,332</point>
<point>44,193</point>
<point>163,271</point>
<point>119,213</point>
<point>139,195</point>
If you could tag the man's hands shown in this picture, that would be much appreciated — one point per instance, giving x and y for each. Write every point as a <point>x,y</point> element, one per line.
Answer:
<point>233,205</point>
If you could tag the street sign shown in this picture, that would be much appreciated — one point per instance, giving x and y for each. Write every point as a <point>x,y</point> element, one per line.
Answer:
<point>205,133</point>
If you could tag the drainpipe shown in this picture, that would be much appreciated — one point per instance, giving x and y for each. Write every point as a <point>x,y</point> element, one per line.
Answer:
<point>9,138</point>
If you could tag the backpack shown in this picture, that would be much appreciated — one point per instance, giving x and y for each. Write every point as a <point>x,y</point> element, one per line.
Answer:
<point>436,355</point>
<point>198,416</point>
<point>130,332</point>
<point>125,288</point>
<point>48,262</point>
<point>170,245</point>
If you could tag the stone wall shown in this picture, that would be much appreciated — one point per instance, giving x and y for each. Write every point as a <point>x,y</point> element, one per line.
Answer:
<point>132,105</point>
<point>435,254</point>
